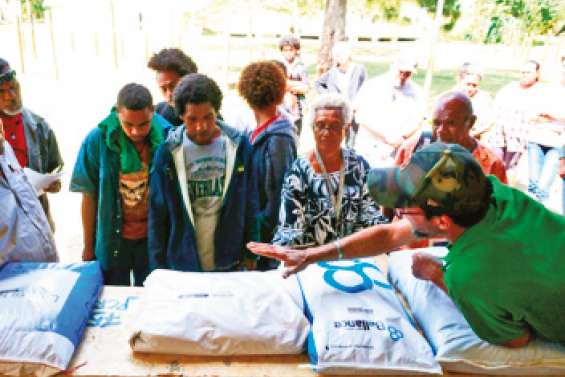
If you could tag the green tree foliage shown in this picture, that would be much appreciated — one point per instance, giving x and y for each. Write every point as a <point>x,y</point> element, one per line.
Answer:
<point>528,17</point>
<point>389,10</point>
<point>37,8</point>
<point>451,11</point>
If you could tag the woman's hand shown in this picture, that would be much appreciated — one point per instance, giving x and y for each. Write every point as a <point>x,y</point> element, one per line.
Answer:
<point>293,260</point>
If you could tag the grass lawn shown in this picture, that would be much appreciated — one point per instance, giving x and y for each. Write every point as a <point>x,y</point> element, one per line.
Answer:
<point>443,80</point>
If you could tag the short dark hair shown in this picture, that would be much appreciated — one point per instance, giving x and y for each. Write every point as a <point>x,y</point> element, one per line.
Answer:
<point>172,59</point>
<point>463,216</point>
<point>134,97</point>
<point>262,84</point>
<point>196,88</point>
<point>289,40</point>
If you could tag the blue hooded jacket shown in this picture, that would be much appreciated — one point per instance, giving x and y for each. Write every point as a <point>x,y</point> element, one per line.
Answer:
<point>274,151</point>
<point>171,235</point>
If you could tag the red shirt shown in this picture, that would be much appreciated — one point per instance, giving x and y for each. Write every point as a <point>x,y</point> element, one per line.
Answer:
<point>14,134</point>
<point>259,130</point>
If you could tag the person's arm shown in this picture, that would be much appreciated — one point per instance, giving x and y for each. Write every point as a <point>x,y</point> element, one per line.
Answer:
<point>375,240</point>
<point>360,80</point>
<point>321,85</point>
<point>520,341</point>
<point>86,179</point>
<point>88,213</point>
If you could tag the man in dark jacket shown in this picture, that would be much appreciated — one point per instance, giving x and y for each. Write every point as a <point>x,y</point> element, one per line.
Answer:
<point>170,65</point>
<point>263,84</point>
<point>202,198</point>
<point>29,135</point>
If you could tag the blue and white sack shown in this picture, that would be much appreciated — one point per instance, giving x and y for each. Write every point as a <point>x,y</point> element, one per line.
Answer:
<point>359,326</point>
<point>44,310</point>
<point>457,347</point>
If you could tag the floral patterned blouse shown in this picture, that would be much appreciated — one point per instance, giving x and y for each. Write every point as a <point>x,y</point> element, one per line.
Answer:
<point>307,216</point>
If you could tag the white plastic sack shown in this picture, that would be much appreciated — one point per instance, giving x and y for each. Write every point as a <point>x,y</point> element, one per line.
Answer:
<point>359,325</point>
<point>232,313</point>
<point>457,347</point>
<point>44,308</point>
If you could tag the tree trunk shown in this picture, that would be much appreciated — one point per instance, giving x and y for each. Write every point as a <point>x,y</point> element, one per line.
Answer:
<point>333,31</point>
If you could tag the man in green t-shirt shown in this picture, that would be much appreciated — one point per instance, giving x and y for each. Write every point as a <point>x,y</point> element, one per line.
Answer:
<point>504,269</point>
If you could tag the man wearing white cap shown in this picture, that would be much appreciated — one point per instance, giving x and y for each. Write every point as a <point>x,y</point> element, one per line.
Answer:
<point>389,109</point>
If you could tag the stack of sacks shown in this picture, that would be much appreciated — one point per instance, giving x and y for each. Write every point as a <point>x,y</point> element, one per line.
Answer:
<point>457,347</point>
<point>359,325</point>
<point>231,313</point>
<point>44,308</point>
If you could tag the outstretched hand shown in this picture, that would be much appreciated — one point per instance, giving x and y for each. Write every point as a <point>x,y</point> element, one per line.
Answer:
<point>293,260</point>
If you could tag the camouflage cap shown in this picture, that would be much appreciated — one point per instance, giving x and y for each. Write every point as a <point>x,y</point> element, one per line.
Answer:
<point>438,175</point>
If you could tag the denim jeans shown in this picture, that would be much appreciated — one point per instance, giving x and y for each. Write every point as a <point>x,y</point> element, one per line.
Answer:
<point>543,168</point>
<point>133,256</point>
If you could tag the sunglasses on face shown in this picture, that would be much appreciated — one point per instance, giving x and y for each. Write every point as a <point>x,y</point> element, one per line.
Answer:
<point>7,76</point>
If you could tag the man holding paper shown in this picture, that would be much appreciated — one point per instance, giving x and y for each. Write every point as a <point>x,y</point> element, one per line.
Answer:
<point>29,135</point>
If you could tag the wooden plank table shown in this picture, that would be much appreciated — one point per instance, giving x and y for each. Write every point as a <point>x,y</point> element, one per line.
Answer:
<point>105,352</point>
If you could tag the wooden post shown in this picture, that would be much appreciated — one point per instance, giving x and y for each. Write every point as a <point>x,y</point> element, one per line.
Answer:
<point>21,47</point>
<point>227,46</point>
<point>53,46</point>
<point>431,57</point>
<point>32,24</point>
<point>114,34</point>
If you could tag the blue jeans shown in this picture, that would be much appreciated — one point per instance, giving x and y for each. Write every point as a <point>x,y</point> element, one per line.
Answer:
<point>543,168</point>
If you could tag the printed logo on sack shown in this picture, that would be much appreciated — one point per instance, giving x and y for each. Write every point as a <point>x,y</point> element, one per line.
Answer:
<point>367,325</point>
<point>349,282</point>
<point>29,293</point>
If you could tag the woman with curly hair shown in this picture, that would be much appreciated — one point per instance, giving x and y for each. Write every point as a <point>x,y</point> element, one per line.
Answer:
<point>273,141</point>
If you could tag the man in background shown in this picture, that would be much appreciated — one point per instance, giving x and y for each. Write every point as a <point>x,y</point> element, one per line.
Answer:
<point>170,64</point>
<point>389,109</point>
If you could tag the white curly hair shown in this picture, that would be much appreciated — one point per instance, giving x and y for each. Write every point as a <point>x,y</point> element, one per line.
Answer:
<point>329,101</point>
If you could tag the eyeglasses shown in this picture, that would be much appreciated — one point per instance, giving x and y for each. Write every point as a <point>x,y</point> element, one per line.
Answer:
<point>329,128</point>
<point>401,212</point>
<point>7,76</point>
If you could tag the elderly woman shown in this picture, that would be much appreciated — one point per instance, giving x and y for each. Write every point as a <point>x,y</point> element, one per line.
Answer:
<point>325,195</point>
